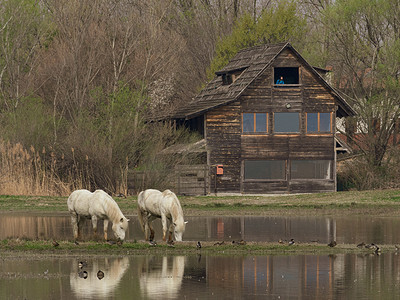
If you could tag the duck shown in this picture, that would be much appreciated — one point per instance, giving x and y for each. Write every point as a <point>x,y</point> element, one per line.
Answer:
<point>377,251</point>
<point>83,274</point>
<point>55,244</point>
<point>370,246</point>
<point>242,242</point>
<point>198,246</point>
<point>100,274</point>
<point>332,244</point>
<point>76,243</point>
<point>152,243</point>
<point>82,264</point>
<point>292,242</point>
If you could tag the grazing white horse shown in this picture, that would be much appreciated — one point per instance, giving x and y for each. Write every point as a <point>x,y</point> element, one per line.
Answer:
<point>83,204</point>
<point>153,204</point>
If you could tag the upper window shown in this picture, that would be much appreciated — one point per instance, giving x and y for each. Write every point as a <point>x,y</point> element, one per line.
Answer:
<point>319,123</point>
<point>310,169</point>
<point>286,122</point>
<point>264,169</point>
<point>255,122</point>
<point>286,75</point>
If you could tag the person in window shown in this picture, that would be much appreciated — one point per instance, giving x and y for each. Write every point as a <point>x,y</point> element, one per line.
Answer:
<point>280,80</point>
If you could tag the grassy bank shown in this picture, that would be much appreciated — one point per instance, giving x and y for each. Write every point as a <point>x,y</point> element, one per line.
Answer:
<point>16,247</point>
<point>377,202</point>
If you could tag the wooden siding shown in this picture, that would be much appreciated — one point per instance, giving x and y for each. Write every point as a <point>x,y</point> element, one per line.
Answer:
<point>223,146</point>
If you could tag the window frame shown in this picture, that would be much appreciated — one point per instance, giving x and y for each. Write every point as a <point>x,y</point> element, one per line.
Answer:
<point>287,132</point>
<point>280,71</point>
<point>319,123</point>
<point>285,168</point>
<point>255,123</point>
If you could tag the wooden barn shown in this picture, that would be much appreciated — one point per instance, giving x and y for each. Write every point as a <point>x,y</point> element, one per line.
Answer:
<point>264,135</point>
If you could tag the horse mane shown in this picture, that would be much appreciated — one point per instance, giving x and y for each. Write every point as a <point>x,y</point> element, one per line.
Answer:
<point>176,209</point>
<point>114,213</point>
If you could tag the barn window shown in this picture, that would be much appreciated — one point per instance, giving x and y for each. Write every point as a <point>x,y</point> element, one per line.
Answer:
<point>254,122</point>
<point>227,79</point>
<point>319,122</point>
<point>264,169</point>
<point>286,122</point>
<point>310,169</point>
<point>289,75</point>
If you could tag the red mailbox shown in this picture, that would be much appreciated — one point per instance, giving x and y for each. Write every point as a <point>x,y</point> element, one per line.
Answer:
<point>220,170</point>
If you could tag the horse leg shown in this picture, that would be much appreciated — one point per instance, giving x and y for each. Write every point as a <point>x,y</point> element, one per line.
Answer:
<point>94,223</point>
<point>151,231</point>
<point>171,230</point>
<point>80,224</point>
<point>74,221</point>
<point>105,228</point>
<point>164,226</point>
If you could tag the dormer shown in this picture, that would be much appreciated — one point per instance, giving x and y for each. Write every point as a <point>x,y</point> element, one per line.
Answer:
<point>230,76</point>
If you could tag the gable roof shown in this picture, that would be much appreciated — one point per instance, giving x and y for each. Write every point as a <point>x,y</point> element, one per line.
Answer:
<point>253,61</point>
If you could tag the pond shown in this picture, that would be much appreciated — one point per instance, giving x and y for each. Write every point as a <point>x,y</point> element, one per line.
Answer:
<point>349,230</point>
<point>344,276</point>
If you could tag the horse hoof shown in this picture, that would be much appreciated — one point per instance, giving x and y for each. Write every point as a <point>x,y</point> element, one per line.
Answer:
<point>100,275</point>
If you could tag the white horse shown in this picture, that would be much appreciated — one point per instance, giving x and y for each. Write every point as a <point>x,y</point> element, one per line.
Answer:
<point>83,204</point>
<point>153,204</point>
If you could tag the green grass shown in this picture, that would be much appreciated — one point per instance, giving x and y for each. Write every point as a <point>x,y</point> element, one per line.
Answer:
<point>379,201</point>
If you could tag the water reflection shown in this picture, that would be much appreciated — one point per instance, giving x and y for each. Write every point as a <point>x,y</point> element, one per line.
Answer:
<point>343,276</point>
<point>161,276</point>
<point>92,287</point>
<point>354,230</point>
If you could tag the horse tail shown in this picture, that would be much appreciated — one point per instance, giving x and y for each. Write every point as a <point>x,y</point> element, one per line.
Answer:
<point>139,211</point>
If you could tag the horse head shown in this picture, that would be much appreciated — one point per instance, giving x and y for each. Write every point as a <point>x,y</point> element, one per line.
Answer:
<point>120,227</point>
<point>179,229</point>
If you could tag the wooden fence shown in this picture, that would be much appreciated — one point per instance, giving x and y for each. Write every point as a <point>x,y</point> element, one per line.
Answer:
<point>184,180</point>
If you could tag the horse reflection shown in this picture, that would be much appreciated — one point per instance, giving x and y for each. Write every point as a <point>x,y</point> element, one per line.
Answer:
<point>164,283</point>
<point>91,287</point>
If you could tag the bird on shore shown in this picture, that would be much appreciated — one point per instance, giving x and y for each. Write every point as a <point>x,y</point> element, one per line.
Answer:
<point>219,243</point>
<point>100,274</point>
<point>55,244</point>
<point>198,246</point>
<point>332,244</point>
<point>377,251</point>
<point>242,242</point>
<point>361,245</point>
<point>291,242</point>
<point>370,246</point>
<point>152,243</point>
<point>76,243</point>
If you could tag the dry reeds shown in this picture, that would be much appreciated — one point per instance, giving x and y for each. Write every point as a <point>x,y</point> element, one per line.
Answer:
<point>32,172</point>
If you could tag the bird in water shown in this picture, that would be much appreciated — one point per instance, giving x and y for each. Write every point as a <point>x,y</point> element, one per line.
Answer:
<point>291,242</point>
<point>100,274</point>
<point>55,244</point>
<point>82,264</point>
<point>198,245</point>
<point>83,274</point>
<point>332,244</point>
